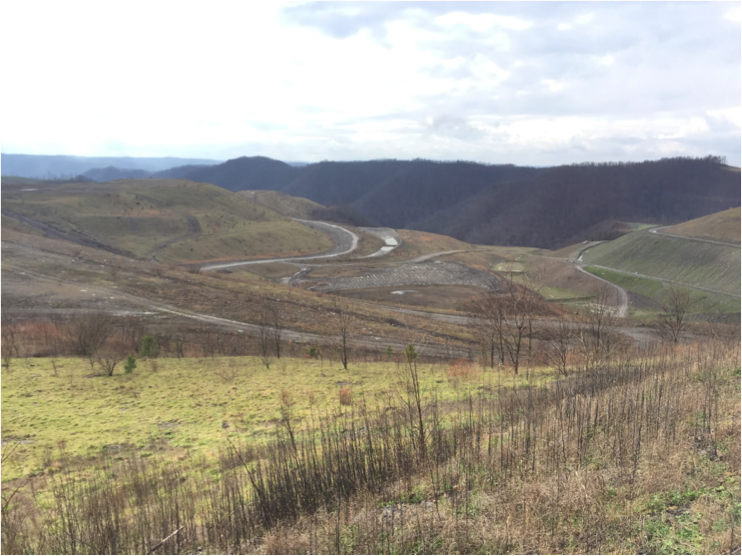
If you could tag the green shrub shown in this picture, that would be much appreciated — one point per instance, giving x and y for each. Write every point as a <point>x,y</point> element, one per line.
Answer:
<point>130,365</point>
<point>149,347</point>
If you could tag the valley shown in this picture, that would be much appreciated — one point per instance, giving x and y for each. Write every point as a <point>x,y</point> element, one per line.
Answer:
<point>361,377</point>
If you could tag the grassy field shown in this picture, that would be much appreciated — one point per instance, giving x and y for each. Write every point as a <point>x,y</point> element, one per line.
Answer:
<point>695,263</point>
<point>641,456</point>
<point>720,226</point>
<point>168,407</point>
<point>702,302</point>
<point>174,220</point>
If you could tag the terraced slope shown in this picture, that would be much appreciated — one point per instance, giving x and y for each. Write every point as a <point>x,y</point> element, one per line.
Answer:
<point>720,226</point>
<point>711,266</point>
<point>170,220</point>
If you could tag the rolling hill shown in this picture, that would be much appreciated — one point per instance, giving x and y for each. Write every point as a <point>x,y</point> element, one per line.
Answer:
<point>171,220</point>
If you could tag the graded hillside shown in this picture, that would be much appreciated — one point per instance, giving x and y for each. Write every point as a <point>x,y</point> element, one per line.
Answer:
<point>703,265</point>
<point>720,226</point>
<point>171,220</point>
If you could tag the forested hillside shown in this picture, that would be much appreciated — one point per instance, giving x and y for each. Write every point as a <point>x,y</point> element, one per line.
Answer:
<point>496,204</point>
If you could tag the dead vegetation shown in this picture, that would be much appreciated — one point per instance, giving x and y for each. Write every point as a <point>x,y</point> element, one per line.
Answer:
<point>640,454</point>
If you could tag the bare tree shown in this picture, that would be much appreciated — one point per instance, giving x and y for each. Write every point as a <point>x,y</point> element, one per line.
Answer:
<point>520,308</point>
<point>343,323</point>
<point>108,361</point>
<point>559,343</point>
<point>597,338</point>
<point>488,315</point>
<point>10,342</point>
<point>88,331</point>
<point>671,321</point>
<point>265,344</point>
<point>274,316</point>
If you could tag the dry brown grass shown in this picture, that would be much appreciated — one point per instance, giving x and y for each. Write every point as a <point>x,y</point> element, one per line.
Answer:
<point>720,226</point>
<point>641,455</point>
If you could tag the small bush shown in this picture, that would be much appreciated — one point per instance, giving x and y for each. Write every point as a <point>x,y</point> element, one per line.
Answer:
<point>149,347</point>
<point>130,365</point>
<point>346,396</point>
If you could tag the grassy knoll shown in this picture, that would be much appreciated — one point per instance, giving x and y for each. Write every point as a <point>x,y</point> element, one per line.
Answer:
<point>174,220</point>
<point>695,263</point>
<point>720,226</point>
<point>168,407</point>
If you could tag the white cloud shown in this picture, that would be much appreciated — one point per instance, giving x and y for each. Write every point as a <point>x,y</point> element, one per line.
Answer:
<point>485,81</point>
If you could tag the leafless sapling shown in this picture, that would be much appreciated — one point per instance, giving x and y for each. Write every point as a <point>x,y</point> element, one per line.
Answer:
<point>672,319</point>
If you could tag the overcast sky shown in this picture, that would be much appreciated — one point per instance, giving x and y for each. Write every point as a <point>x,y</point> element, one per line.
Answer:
<point>524,83</point>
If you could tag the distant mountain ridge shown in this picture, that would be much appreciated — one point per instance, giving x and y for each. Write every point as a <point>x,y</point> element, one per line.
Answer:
<point>53,166</point>
<point>490,204</point>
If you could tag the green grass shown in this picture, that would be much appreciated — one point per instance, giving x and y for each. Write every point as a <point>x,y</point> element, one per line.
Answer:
<point>702,302</point>
<point>694,263</point>
<point>182,405</point>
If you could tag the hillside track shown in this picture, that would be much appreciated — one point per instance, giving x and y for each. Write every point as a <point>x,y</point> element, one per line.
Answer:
<point>622,311</point>
<point>194,230</point>
<point>660,233</point>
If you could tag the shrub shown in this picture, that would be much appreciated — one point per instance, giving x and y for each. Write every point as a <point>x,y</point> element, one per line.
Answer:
<point>149,347</point>
<point>346,396</point>
<point>130,365</point>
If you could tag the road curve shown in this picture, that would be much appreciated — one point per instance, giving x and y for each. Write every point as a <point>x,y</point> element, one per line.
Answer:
<point>347,244</point>
<point>623,298</point>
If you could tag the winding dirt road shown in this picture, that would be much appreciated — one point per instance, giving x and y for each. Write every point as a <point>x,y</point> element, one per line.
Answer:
<point>344,241</point>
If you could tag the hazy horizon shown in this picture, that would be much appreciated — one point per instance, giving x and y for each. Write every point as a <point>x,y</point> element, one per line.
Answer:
<point>537,84</point>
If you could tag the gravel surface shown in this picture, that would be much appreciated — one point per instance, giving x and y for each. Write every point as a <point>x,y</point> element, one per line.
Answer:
<point>412,274</point>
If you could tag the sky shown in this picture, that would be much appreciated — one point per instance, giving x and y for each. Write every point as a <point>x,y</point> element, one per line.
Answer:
<point>527,83</point>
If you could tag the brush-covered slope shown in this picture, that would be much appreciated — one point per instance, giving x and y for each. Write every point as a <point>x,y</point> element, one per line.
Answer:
<point>298,207</point>
<point>285,205</point>
<point>720,226</point>
<point>171,220</point>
